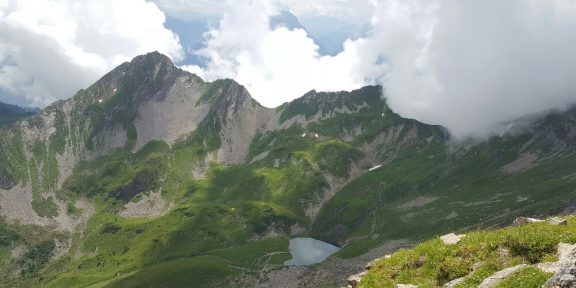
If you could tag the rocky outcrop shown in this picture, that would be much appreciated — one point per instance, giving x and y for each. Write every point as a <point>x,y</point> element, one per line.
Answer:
<point>355,279</point>
<point>454,282</point>
<point>525,220</point>
<point>557,221</point>
<point>565,276</point>
<point>548,267</point>
<point>497,277</point>
<point>451,239</point>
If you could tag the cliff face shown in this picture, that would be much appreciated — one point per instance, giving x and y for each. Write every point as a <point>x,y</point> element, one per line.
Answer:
<point>152,164</point>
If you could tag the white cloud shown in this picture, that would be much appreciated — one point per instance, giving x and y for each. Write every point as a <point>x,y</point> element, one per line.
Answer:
<point>275,65</point>
<point>472,65</point>
<point>355,11</point>
<point>467,65</point>
<point>193,9</point>
<point>50,49</point>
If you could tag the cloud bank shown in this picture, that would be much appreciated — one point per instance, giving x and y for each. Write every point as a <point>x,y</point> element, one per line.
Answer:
<point>466,65</point>
<point>276,65</point>
<point>50,49</point>
<point>356,11</point>
<point>472,65</point>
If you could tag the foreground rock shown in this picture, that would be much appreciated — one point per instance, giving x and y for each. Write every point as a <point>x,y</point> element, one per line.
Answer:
<point>450,239</point>
<point>548,267</point>
<point>525,220</point>
<point>454,282</point>
<point>354,280</point>
<point>565,277</point>
<point>497,277</point>
<point>557,221</point>
<point>564,250</point>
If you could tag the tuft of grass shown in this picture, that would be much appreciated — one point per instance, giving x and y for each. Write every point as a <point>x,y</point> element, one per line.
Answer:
<point>45,206</point>
<point>37,257</point>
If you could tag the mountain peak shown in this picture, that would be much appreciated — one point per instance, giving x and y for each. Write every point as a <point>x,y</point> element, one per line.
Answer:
<point>154,57</point>
<point>285,19</point>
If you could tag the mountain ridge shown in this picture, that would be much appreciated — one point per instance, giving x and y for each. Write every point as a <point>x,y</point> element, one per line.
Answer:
<point>11,113</point>
<point>152,166</point>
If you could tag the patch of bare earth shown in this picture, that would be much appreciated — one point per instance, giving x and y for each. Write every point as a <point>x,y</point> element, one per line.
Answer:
<point>16,207</point>
<point>523,163</point>
<point>417,202</point>
<point>452,215</point>
<point>150,205</point>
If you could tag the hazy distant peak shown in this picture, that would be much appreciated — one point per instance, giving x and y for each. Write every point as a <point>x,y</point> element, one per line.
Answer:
<point>285,19</point>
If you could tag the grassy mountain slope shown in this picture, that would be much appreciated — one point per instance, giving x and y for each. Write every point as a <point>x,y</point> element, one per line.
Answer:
<point>154,177</point>
<point>439,190</point>
<point>479,255</point>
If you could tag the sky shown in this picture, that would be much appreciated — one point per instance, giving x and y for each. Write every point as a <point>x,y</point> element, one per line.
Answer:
<point>355,11</point>
<point>471,66</point>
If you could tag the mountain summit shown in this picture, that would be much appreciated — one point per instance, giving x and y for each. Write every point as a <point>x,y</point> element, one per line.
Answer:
<point>152,176</point>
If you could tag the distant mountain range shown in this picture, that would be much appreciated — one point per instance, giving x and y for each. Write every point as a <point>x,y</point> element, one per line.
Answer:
<point>12,113</point>
<point>153,177</point>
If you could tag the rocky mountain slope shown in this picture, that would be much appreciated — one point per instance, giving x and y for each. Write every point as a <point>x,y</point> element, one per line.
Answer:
<point>152,176</point>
